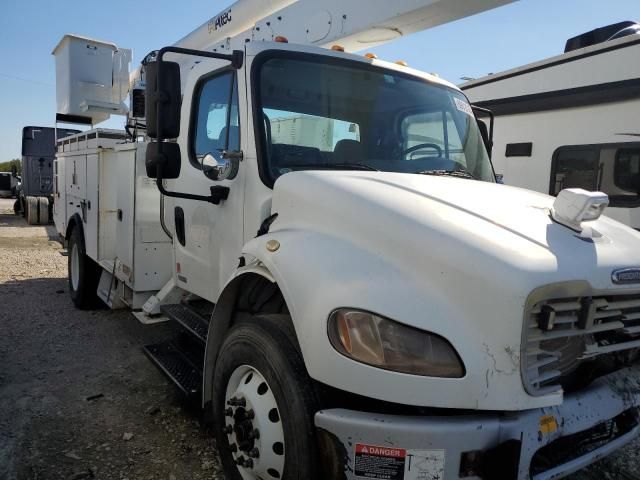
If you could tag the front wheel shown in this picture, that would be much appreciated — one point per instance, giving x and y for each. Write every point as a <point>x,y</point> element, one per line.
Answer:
<point>264,404</point>
<point>84,273</point>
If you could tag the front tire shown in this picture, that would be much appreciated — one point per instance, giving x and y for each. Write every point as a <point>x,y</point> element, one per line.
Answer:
<point>84,273</point>
<point>261,384</point>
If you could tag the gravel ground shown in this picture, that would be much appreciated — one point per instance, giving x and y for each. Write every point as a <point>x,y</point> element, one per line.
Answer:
<point>79,400</point>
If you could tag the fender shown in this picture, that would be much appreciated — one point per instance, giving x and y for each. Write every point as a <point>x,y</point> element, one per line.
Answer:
<point>221,321</point>
<point>318,272</point>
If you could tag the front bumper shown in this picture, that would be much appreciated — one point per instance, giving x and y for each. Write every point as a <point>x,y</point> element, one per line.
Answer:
<point>586,427</point>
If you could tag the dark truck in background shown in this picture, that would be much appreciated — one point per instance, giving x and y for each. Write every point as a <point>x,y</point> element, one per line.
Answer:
<point>35,194</point>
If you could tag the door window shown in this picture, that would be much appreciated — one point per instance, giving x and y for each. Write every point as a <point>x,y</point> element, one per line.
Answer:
<point>217,120</point>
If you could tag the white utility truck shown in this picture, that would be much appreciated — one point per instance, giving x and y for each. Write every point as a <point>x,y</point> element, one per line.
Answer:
<point>372,307</point>
<point>572,120</point>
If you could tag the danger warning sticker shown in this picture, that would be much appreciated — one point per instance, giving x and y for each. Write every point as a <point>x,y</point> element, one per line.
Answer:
<point>379,462</point>
<point>387,463</point>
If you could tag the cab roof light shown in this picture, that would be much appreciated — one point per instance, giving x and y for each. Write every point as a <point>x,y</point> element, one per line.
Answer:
<point>281,39</point>
<point>372,56</point>
<point>402,63</point>
<point>337,48</point>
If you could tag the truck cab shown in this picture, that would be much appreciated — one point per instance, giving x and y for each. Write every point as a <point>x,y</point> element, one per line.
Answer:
<point>408,280</point>
<point>361,298</point>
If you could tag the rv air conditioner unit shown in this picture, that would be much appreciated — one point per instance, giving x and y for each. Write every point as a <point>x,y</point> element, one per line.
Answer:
<point>92,78</point>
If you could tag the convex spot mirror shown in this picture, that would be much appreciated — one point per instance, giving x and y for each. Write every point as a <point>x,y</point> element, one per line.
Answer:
<point>223,166</point>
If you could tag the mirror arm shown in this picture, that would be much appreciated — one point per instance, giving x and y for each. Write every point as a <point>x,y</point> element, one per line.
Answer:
<point>236,58</point>
<point>221,193</point>
<point>233,154</point>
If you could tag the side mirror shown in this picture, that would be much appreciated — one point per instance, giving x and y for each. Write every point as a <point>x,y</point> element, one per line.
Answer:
<point>164,103</point>
<point>226,167</point>
<point>168,161</point>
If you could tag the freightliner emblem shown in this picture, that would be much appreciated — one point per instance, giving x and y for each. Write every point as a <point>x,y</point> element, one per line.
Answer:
<point>626,275</point>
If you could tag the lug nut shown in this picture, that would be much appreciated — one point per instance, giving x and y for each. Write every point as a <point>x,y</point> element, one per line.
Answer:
<point>254,453</point>
<point>237,402</point>
<point>233,447</point>
<point>229,412</point>
<point>254,434</point>
<point>240,461</point>
<point>248,463</point>
<point>228,429</point>
<point>251,414</point>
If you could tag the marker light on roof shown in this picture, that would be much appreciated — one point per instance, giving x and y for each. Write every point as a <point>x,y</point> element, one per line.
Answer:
<point>337,48</point>
<point>372,56</point>
<point>401,63</point>
<point>281,39</point>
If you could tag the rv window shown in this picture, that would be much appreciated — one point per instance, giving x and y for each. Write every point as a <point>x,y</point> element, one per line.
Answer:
<point>626,172</point>
<point>575,168</point>
<point>213,121</point>
<point>610,168</point>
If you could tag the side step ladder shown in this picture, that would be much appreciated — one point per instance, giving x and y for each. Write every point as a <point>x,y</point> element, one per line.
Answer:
<point>181,358</point>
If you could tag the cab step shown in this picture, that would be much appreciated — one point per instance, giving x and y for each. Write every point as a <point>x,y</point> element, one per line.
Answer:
<point>190,320</point>
<point>181,364</point>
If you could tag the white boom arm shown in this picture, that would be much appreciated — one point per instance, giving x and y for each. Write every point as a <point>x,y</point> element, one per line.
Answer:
<point>354,24</point>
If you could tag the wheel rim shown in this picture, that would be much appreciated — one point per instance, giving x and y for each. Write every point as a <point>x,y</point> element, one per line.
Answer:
<point>75,269</point>
<point>253,426</point>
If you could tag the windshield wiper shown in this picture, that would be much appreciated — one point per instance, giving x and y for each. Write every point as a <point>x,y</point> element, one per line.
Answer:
<point>360,166</point>
<point>451,173</point>
<point>337,166</point>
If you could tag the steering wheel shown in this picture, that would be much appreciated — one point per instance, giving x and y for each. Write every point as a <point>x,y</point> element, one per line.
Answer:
<point>421,146</point>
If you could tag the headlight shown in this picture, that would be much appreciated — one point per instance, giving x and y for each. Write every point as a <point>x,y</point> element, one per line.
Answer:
<point>383,343</point>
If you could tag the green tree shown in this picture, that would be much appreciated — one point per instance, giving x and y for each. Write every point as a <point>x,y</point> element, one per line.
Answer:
<point>6,166</point>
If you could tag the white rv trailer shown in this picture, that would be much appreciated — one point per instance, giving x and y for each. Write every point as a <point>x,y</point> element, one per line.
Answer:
<point>572,120</point>
<point>370,307</point>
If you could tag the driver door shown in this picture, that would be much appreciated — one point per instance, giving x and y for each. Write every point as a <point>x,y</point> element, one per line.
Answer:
<point>208,237</point>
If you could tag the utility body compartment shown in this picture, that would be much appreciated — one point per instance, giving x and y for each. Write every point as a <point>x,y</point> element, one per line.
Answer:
<point>102,181</point>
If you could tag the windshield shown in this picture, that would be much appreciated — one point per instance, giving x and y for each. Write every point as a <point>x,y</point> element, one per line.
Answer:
<point>320,114</point>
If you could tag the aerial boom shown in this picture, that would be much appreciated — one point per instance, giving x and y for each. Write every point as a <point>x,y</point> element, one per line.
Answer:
<point>354,24</point>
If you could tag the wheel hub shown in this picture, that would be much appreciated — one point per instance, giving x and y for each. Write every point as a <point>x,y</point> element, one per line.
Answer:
<point>253,426</point>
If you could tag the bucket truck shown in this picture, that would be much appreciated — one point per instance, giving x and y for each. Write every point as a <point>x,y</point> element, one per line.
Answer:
<point>354,295</point>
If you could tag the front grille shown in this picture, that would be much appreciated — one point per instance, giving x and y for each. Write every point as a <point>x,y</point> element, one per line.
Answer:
<point>562,333</point>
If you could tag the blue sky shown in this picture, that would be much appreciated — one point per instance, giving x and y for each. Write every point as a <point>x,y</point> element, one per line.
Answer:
<point>493,41</point>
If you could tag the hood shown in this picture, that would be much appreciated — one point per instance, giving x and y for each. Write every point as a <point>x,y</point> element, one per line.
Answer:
<point>455,223</point>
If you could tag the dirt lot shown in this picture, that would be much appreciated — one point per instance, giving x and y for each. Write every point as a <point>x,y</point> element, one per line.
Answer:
<point>79,400</point>
<point>75,385</point>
